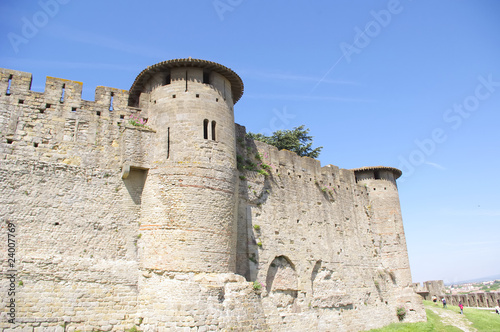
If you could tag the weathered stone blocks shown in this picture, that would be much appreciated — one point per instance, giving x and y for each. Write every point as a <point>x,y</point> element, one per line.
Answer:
<point>134,210</point>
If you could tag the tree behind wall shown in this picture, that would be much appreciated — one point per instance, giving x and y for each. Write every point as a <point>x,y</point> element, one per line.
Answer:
<point>296,140</point>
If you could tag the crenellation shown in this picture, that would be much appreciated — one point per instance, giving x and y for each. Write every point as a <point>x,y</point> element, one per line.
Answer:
<point>166,216</point>
<point>62,91</point>
<point>58,125</point>
<point>14,83</point>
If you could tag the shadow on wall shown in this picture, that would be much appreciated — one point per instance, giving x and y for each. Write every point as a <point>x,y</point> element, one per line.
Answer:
<point>254,191</point>
<point>134,182</point>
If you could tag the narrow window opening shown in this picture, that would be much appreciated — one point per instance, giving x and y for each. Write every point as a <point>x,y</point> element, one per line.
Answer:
<point>217,99</point>
<point>168,142</point>
<point>35,145</point>
<point>98,113</point>
<point>8,86</point>
<point>197,95</point>
<point>73,109</point>
<point>111,101</point>
<point>377,175</point>
<point>186,80</point>
<point>206,77</point>
<point>205,129</point>
<point>62,93</point>
<point>213,130</point>
<point>21,101</point>
<point>167,80</point>
<point>173,96</point>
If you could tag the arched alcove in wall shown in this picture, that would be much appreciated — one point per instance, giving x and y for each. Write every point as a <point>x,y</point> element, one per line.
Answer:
<point>282,284</point>
<point>281,275</point>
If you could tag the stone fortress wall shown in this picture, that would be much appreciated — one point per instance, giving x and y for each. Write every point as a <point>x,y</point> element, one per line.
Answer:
<point>186,224</point>
<point>430,288</point>
<point>476,299</point>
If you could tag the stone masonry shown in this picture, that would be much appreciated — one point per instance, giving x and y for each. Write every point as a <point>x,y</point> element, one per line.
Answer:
<point>151,209</point>
<point>476,299</point>
<point>430,289</point>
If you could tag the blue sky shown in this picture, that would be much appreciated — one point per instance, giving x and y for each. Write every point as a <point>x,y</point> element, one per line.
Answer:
<point>408,84</point>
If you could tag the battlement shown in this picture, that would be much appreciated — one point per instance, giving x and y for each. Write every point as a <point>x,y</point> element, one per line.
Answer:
<point>14,82</point>
<point>66,95</point>
<point>59,90</point>
<point>57,125</point>
<point>304,169</point>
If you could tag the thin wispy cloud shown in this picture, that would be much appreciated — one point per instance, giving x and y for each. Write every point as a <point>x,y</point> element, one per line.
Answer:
<point>307,98</point>
<point>103,41</point>
<point>440,167</point>
<point>291,77</point>
<point>25,62</point>
<point>323,79</point>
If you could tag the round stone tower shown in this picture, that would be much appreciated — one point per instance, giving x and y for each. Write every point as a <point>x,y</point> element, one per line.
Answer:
<point>386,221</point>
<point>189,201</point>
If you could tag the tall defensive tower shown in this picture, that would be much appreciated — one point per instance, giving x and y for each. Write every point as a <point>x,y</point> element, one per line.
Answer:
<point>387,222</point>
<point>188,210</point>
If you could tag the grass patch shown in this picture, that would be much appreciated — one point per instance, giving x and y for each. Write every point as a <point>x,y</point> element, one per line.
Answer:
<point>433,324</point>
<point>483,320</point>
